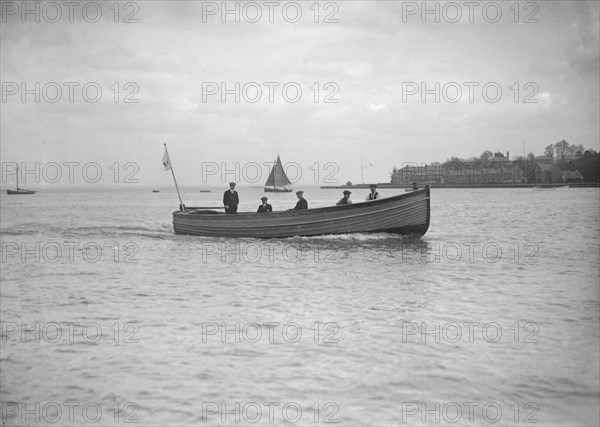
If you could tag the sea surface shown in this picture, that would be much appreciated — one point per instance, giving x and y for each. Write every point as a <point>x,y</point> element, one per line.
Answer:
<point>109,318</point>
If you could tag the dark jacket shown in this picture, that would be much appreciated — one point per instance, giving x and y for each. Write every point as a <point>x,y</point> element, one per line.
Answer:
<point>302,204</point>
<point>233,200</point>
<point>265,208</point>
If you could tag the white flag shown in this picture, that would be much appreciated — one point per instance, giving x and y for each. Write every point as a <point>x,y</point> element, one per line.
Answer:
<point>166,161</point>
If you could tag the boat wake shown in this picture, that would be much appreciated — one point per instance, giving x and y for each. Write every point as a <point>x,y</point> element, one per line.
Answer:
<point>160,231</point>
<point>359,237</point>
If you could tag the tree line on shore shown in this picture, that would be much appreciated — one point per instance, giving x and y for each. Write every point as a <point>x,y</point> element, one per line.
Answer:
<point>567,157</point>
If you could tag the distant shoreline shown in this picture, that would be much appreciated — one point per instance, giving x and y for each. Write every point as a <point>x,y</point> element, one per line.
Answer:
<point>511,185</point>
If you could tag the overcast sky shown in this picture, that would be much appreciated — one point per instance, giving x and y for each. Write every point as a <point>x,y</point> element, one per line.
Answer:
<point>374,61</point>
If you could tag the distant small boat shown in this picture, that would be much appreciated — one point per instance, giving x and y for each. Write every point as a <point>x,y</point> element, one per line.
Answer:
<point>205,191</point>
<point>156,191</point>
<point>277,190</point>
<point>19,191</point>
<point>277,181</point>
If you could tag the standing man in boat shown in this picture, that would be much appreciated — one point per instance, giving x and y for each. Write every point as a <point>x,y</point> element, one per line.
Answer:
<point>231,200</point>
<point>373,195</point>
<point>346,199</point>
<point>265,207</point>
<point>302,203</point>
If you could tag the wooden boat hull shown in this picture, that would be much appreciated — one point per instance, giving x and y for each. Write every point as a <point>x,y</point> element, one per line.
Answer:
<point>277,190</point>
<point>20,192</point>
<point>405,214</point>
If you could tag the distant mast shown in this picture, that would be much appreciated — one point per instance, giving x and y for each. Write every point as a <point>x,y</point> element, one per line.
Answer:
<point>277,178</point>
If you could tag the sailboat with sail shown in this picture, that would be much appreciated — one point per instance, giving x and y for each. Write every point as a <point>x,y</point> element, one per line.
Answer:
<point>277,181</point>
<point>20,191</point>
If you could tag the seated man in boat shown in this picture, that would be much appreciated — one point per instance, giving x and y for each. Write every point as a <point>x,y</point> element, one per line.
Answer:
<point>231,200</point>
<point>373,195</point>
<point>265,207</point>
<point>415,186</point>
<point>346,199</point>
<point>302,203</point>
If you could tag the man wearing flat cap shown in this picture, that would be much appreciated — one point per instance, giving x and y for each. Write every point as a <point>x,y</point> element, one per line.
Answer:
<point>264,207</point>
<point>302,203</point>
<point>373,195</point>
<point>346,199</point>
<point>231,200</point>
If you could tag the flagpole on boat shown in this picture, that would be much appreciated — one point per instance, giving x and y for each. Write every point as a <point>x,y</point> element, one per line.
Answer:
<point>182,207</point>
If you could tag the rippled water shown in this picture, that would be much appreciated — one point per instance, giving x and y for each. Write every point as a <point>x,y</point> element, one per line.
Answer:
<point>492,316</point>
